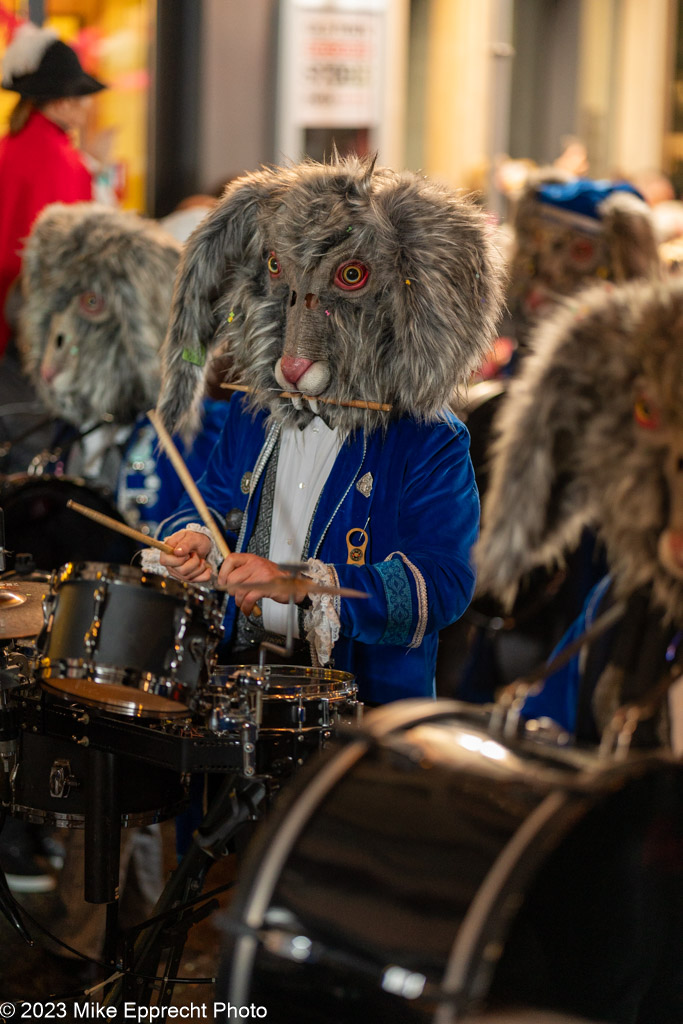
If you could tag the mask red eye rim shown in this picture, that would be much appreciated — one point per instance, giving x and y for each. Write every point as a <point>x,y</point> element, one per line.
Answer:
<point>646,414</point>
<point>340,283</point>
<point>91,310</point>
<point>272,256</point>
<point>582,251</point>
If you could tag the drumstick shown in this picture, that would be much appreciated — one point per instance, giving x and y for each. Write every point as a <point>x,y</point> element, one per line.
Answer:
<point>191,487</point>
<point>352,403</point>
<point>114,524</point>
<point>188,483</point>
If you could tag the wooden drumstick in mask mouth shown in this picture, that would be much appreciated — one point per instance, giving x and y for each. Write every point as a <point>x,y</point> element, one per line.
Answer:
<point>350,403</point>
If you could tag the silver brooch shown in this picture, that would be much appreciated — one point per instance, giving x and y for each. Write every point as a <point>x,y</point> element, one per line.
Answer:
<point>364,485</point>
<point>245,483</point>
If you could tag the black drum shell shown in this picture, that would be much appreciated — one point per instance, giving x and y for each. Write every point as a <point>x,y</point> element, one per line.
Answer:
<point>142,627</point>
<point>147,793</point>
<point>483,876</point>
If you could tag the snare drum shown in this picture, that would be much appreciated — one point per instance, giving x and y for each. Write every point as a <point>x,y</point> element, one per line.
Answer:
<point>428,868</point>
<point>127,641</point>
<point>294,709</point>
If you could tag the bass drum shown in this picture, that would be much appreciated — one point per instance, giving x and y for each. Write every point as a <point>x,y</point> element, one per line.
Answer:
<point>428,869</point>
<point>38,521</point>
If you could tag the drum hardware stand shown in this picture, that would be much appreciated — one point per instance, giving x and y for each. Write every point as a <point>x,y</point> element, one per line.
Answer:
<point>236,802</point>
<point>266,645</point>
<point>9,736</point>
<point>506,717</point>
<point>616,739</point>
<point>102,842</point>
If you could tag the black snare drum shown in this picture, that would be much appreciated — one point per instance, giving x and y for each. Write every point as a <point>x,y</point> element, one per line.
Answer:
<point>428,868</point>
<point>49,785</point>
<point>294,709</point>
<point>125,640</point>
<point>38,521</point>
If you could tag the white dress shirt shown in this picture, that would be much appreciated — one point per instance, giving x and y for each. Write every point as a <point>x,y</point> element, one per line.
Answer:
<point>306,458</point>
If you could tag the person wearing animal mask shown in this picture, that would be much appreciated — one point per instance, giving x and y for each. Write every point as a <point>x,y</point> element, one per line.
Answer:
<point>591,435</point>
<point>353,301</point>
<point>97,286</point>
<point>570,232</point>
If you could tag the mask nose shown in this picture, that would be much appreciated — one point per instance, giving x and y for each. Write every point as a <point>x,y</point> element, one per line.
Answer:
<point>294,367</point>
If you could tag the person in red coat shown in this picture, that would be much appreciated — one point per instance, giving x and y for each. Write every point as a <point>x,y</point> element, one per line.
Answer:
<point>38,162</point>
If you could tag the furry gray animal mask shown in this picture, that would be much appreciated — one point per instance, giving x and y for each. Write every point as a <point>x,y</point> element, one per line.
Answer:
<point>558,250</point>
<point>341,281</point>
<point>97,286</point>
<point>591,432</point>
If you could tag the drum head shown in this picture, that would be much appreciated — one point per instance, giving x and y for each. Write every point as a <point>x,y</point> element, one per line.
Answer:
<point>37,521</point>
<point>122,700</point>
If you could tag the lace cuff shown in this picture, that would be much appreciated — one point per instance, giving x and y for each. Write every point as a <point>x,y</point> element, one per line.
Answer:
<point>151,556</point>
<point>321,620</point>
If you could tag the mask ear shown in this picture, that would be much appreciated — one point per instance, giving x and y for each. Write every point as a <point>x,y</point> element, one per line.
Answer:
<point>630,235</point>
<point>562,419</point>
<point>450,289</point>
<point>225,251</point>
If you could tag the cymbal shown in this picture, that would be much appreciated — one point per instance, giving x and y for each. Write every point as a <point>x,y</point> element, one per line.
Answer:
<point>292,586</point>
<point>21,608</point>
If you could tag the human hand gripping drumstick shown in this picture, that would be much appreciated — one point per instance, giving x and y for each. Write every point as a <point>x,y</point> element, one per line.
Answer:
<point>189,548</point>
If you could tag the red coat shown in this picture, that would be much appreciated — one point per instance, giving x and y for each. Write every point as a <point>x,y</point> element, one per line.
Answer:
<point>38,166</point>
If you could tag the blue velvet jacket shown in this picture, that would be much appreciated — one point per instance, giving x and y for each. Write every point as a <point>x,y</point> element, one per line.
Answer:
<point>412,489</point>
<point>148,488</point>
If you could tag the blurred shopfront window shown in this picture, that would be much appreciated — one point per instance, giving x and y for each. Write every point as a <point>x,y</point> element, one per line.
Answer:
<point>112,39</point>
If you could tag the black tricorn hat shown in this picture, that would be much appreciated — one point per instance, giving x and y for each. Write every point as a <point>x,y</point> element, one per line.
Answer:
<point>38,65</point>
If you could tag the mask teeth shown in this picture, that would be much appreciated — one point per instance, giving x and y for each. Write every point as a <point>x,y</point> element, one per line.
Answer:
<point>297,403</point>
<point>313,402</point>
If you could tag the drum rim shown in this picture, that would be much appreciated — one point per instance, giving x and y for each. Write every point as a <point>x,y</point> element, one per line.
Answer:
<point>70,820</point>
<point>312,691</point>
<point>319,675</point>
<point>119,572</point>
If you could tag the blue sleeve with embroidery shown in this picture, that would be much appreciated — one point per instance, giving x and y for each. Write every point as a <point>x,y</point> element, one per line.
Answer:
<point>429,523</point>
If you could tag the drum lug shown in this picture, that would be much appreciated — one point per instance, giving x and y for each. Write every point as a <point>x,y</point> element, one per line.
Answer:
<point>324,719</point>
<point>353,709</point>
<point>90,638</point>
<point>174,659</point>
<point>61,779</point>
<point>248,744</point>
